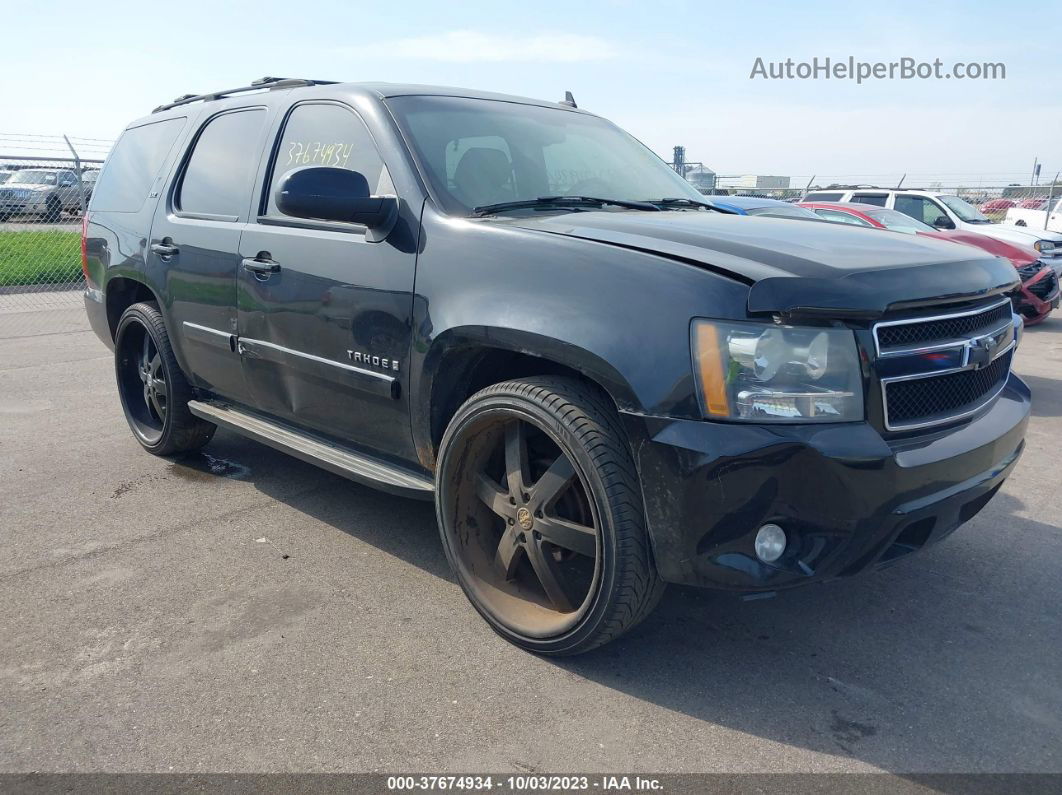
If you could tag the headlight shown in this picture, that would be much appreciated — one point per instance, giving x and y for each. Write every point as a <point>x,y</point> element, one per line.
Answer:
<point>1044,245</point>
<point>764,373</point>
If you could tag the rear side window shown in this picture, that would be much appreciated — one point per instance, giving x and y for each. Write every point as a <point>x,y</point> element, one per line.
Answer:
<point>133,165</point>
<point>322,134</point>
<point>823,197</point>
<point>217,179</point>
<point>871,198</point>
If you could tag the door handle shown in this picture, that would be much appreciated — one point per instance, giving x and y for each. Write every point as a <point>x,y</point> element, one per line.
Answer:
<point>164,249</point>
<point>261,265</point>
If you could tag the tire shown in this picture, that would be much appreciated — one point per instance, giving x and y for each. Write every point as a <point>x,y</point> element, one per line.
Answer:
<point>54,209</point>
<point>152,388</point>
<point>541,517</point>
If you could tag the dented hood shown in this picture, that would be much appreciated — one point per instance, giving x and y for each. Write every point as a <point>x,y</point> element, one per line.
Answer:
<point>795,266</point>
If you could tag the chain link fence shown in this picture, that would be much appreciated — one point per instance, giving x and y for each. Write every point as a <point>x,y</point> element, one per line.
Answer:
<point>46,183</point>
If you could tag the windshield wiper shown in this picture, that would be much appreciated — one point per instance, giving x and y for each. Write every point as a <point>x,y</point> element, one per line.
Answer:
<point>561,201</point>
<point>675,201</point>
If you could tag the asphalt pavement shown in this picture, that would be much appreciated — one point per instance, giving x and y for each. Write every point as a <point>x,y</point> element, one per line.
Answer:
<point>239,610</point>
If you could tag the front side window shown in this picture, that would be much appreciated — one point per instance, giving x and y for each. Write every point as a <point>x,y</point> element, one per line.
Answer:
<point>217,179</point>
<point>323,134</point>
<point>823,196</point>
<point>920,208</point>
<point>478,152</point>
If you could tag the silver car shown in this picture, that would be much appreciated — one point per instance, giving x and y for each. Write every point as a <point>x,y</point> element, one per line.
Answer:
<point>45,192</point>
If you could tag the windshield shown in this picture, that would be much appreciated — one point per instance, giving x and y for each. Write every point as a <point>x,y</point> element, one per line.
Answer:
<point>782,211</point>
<point>4,176</point>
<point>898,222</point>
<point>479,152</point>
<point>33,177</point>
<point>966,211</point>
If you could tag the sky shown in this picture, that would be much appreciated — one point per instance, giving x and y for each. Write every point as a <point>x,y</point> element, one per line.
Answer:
<point>669,72</point>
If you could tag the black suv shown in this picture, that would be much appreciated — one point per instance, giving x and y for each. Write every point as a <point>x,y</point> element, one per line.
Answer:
<point>513,307</point>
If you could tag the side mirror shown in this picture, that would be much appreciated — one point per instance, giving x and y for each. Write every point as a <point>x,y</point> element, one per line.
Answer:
<point>324,193</point>
<point>943,222</point>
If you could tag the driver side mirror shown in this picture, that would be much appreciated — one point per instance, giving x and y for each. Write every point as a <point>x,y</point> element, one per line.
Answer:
<point>324,193</point>
<point>943,222</point>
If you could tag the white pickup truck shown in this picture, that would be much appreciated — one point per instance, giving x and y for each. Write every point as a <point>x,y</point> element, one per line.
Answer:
<point>1037,219</point>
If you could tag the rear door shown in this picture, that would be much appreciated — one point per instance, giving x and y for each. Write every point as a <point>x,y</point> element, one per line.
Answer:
<point>324,327</point>
<point>195,242</point>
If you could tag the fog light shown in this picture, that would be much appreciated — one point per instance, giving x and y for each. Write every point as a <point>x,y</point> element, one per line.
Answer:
<point>770,543</point>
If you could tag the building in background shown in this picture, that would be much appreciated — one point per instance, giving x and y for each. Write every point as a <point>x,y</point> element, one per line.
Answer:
<point>753,182</point>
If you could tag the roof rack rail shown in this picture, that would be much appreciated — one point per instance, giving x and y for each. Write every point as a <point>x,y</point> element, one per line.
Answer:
<point>256,85</point>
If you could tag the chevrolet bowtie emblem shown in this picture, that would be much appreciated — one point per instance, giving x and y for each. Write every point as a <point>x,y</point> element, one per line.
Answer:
<point>980,351</point>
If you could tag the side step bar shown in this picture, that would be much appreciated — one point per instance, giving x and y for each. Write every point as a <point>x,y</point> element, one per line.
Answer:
<point>327,455</point>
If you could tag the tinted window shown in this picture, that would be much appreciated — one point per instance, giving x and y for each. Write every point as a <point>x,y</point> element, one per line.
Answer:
<point>217,180</point>
<point>823,197</point>
<point>920,208</point>
<point>327,135</point>
<point>133,165</point>
<point>870,198</point>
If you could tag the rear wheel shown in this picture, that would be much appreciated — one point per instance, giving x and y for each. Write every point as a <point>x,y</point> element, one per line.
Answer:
<point>541,515</point>
<point>153,390</point>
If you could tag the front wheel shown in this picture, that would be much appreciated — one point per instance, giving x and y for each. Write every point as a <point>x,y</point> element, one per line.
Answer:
<point>541,515</point>
<point>153,390</point>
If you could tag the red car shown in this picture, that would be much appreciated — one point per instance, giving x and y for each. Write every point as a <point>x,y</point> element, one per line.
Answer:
<point>1039,285</point>
<point>997,205</point>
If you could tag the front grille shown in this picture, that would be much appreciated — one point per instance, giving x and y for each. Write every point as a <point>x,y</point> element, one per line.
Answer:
<point>953,327</point>
<point>945,396</point>
<point>1045,287</point>
<point>941,367</point>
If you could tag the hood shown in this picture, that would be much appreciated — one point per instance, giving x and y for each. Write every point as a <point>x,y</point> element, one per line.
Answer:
<point>797,267</point>
<point>1022,233</point>
<point>1018,255</point>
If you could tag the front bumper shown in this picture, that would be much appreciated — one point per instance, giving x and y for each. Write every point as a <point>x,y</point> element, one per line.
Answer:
<point>1038,295</point>
<point>848,499</point>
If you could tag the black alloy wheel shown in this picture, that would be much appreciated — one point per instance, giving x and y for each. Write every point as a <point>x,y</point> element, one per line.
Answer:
<point>540,513</point>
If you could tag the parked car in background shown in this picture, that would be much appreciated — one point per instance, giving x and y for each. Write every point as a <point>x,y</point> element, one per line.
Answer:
<point>1034,219</point>
<point>88,179</point>
<point>948,211</point>
<point>758,205</point>
<point>1032,204</point>
<point>45,192</point>
<point>997,208</point>
<point>5,176</point>
<point>1039,292</point>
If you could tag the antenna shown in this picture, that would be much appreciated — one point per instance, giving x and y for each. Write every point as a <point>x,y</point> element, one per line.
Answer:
<point>569,100</point>
<point>898,184</point>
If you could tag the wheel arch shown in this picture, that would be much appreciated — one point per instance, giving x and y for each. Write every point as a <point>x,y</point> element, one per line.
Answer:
<point>121,293</point>
<point>464,360</point>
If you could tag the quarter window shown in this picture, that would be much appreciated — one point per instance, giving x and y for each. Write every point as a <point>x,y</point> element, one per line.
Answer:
<point>217,180</point>
<point>318,134</point>
<point>133,166</point>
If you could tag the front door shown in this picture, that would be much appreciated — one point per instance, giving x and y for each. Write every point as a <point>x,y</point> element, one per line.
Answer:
<point>195,243</point>
<point>324,309</point>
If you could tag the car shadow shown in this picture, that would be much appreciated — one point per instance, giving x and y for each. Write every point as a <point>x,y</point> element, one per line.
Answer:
<point>946,661</point>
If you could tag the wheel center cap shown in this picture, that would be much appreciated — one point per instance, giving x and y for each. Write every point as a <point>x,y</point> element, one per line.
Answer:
<point>523,518</point>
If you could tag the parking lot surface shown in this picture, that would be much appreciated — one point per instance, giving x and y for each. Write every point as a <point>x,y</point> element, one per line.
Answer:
<point>239,610</point>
